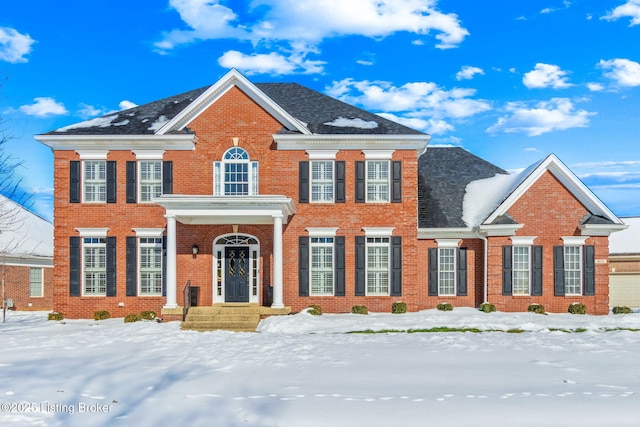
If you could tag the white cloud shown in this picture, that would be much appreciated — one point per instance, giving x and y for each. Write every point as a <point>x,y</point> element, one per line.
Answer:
<point>623,71</point>
<point>430,126</point>
<point>545,116</point>
<point>467,72</point>
<point>43,107</point>
<point>14,46</point>
<point>595,87</point>
<point>363,62</point>
<point>630,9</point>
<point>546,75</point>
<point>87,111</point>
<point>126,104</point>
<point>272,63</point>
<point>532,149</point>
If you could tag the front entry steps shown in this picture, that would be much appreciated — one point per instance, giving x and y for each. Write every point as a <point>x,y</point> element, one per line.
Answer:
<point>238,317</point>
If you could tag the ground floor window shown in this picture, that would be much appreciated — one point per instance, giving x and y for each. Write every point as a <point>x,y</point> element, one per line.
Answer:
<point>521,270</point>
<point>377,265</point>
<point>36,284</point>
<point>573,270</point>
<point>321,265</point>
<point>446,271</point>
<point>94,266</point>
<point>150,265</point>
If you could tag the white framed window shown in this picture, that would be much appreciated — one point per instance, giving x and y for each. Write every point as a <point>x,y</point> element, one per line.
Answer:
<point>378,265</point>
<point>521,270</point>
<point>236,174</point>
<point>36,282</point>
<point>150,179</point>
<point>446,271</point>
<point>321,181</point>
<point>322,266</point>
<point>94,181</point>
<point>573,270</point>
<point>378,179</point>
<point>94,263</point>
<point>150,265</point>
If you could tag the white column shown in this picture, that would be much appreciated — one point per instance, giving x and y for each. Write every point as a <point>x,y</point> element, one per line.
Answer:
<point>171,263</point>
<point>277,262</point>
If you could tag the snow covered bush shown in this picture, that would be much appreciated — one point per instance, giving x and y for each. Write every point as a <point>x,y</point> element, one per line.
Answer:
<point>148,315</point>
<point>315,310</point>
<point>55,316</point>
<point>577,308</point>
<point>101,315</point>
<point>399,307</point>
<point>487,307</point>
<point>622,310</point>
<point>134,317</point>
<point>536,308</point>
<point>359,309</point>
<point>444,306</point>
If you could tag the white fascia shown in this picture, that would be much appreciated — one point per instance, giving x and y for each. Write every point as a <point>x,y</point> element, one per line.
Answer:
<point>378,231</point>
<point>119,142</point>
<point>92,232</point>
<point>322,154</point>
<point>93,154</point>
<point>601,229</point>
<point>523,240</point>
<point>148,232</point>
<point>499,229</point>
<point>574,240</point>
<point>148,154</point>
<point>322,231</point>
<point>352,142</point>
<point>446,233</point>
<point>448,243</point>
<point>378,154</point>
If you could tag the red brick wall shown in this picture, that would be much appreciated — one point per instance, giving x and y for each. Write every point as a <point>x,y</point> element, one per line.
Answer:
<point>16,279</point>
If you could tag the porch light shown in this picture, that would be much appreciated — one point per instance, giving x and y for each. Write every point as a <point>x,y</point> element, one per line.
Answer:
<point>194,250</point>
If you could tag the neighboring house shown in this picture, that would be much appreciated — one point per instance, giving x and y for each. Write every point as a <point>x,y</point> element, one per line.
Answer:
<point>276,195</point>
<point>26,258</point>
<point>624,265</point>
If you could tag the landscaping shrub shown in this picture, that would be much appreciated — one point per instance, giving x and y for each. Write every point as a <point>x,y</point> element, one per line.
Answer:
<point>55,316</point>
<point>622,310</point>
<point>359,309</point>
<point>536,308</point>
<point>577,308</point>
<point>315,310</point>
<point>444,306</point>
<point>399,307</point>
<point>101,315</point>
<point>134,317</point>
<point>148,315</point>
<point>487,307</point>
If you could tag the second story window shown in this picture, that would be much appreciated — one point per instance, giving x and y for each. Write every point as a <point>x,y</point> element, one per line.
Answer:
<point>95,181</point>
<point>322,181</point>
<point>150,179</point>
<point>235,175</point>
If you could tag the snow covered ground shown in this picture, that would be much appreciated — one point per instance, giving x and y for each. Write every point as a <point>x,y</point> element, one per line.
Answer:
<point>303,370</point>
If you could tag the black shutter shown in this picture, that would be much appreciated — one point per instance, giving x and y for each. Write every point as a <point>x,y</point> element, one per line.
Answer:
<point>433,272</point>
<point>74,181</point>
<point>132,266</point>
<point>303,182</point>
<point>167,177</point>
<point>361,190</point>
<point>361,265</point>
<point>131,182</point>
<point>340,182</point>
<point>462,272</point>
<point>74,266</point>
<point>396,182</point>
<point>164,266</point>
<point>589,270</point>
<point>111,266</point>
<point>111,181</point>
<point>396,266</point>
<point>558,271</point>
<point>507,270</point>
<point>536,276</point>
<point>339,266</point>
<point>303,266</point>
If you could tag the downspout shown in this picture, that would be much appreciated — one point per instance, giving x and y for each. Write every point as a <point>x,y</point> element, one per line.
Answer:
<point>486,263</point>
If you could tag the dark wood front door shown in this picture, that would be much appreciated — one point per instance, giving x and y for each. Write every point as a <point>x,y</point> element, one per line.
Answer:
<point>237,274</point>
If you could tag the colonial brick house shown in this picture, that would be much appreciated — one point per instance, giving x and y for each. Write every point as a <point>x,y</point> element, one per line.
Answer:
<point>26,258</point>
<point>276,195</point>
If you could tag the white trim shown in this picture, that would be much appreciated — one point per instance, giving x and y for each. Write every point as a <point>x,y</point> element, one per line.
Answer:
<point>574,240</point>
<point>601,229</point>
<point>523,240</point>
<point>447,243</point>
<point>219,299</point>
<point>322,231</point>
<point>446,233</point>
<point>322,154</point>
<point>500,229</point>
<point>92,232</point>
<point>148,154</point>
<point>378,231</point>
<point>352,142</point>
<point>93,154</point>
<point>378,154</point>
<point>148,232</point>
<point>119,142</point>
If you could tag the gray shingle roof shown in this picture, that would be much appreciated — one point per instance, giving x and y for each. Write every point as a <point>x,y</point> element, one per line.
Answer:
<point>443,175</point>
<point>321,113</point>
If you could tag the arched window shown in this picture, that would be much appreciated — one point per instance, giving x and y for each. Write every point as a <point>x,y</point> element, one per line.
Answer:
<point>235,175</point>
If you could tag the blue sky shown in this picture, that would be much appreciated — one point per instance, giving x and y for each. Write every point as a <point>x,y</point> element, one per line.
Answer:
<point>510,81</point>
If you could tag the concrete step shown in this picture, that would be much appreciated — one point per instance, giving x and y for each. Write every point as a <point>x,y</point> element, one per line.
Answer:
<point>241,317</point>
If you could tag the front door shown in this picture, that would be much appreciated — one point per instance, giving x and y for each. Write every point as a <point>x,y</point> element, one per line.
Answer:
<point>237,274</point>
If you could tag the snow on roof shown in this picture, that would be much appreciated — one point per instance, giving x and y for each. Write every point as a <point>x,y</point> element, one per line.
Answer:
<point>626,241</point>
<point>162,120</point>
<point>101,122</point>
<point>22,232</point>
<point>344,122</point>
<point>483,196</point>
